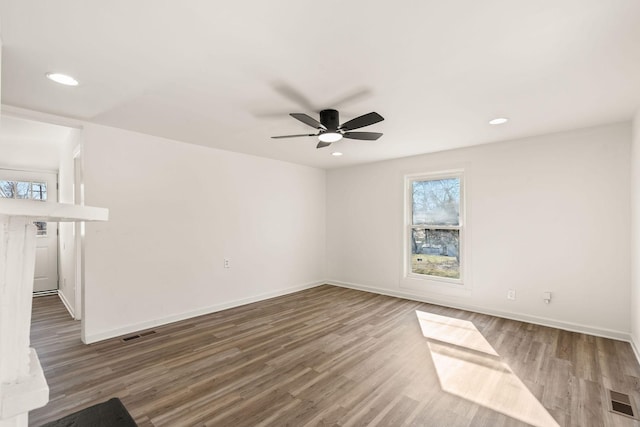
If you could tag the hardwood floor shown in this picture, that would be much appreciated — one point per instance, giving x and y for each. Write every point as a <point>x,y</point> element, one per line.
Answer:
<point>325,356</point>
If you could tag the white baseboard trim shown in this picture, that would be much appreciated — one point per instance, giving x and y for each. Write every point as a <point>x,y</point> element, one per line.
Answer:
<point>92,338</point>
<point>45,293</point>
<point>66,304</point>
<point>634,347</point>
<point>542,321</point>
<point>568,326</point>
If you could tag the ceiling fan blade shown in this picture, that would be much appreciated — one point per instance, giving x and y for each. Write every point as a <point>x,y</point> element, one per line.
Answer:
<point>351,97</point>
<point>293,136</point>
<point>294,95</point>
<point>308,120</point>
<point>362,121</point>
<point>367,136</point>
<point>322,144</point>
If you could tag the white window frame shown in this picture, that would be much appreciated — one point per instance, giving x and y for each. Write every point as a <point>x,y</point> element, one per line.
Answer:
<point>409,227</point>
<point>30,195</point>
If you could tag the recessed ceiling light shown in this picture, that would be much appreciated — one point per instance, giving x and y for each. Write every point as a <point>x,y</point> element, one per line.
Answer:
<point>63,79</point>
<point>498,121</point>
<point>336,154</point>
<point>330,137</point>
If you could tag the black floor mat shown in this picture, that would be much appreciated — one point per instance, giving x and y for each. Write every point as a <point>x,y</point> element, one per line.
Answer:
<point>111,413</point>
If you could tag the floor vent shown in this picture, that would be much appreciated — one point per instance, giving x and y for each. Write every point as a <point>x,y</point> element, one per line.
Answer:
<point>136,336</point>
<point>620,403</point>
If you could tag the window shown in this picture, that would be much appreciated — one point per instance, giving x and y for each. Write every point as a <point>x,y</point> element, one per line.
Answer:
<point>39,191</point>
<point>23,190</point>
<point>435,226</point>
<point>41,228</point>
<point>26,190</point>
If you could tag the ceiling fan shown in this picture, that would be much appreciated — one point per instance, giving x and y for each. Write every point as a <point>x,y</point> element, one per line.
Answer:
<point>330,130</point>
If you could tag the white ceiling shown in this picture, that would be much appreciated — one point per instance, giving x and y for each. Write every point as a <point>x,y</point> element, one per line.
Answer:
<point>225,74</point>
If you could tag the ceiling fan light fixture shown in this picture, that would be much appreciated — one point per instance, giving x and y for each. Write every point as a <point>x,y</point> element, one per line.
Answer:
<point>63,79</point>
<point>498,121</point>
<point>330,137</point>
<point>330,130</point>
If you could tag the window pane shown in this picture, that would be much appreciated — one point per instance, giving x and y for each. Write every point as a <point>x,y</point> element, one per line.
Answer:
<point>436,202</point>
<point>435,252</point>
<point>7,189</point>
<point>39,190</point>
<point>23,190</point>
<point>41,228</point>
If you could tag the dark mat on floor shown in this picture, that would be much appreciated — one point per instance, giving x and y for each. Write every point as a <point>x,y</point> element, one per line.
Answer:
<point>111,413</point>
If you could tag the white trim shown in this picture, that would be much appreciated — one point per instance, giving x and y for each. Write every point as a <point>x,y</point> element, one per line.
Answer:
<point>38,116</point>
<point>78,234</point>
<point>66,304</point>
<point>542,321</point>
<point>77,151</point>
<point>634,347</point>
<point>411,280</point>
<point>47,293</point>
<point>89,339</point>
<point>14,169</point>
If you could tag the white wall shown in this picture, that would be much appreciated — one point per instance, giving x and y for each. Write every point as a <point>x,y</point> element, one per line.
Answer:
<point>28,155</point>
<point>30,145</point>
<point>635,235</point>
<point>176,211</point>
<point>66,239</point>
<point>548,213</point>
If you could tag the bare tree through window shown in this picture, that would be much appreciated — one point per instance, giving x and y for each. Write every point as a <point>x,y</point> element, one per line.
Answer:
<point>435,228</point>
<point>23,190</point>
<point>26,190</point>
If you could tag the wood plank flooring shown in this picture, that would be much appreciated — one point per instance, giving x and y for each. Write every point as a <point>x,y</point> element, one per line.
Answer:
<point>327,356</point>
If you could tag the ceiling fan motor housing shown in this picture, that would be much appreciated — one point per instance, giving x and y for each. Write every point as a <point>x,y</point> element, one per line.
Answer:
<point>330,119</point>
<point>330,130</point>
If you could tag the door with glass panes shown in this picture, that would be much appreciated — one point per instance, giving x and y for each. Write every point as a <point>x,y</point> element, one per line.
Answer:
<point>41,186</point>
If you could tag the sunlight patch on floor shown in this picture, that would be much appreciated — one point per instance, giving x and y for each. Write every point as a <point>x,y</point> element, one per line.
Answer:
<point>469,367</point>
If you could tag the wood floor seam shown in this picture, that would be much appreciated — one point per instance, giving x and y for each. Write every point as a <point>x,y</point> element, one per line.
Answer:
<point>324,356</point>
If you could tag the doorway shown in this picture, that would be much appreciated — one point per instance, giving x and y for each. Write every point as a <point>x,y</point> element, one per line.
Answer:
<point>37,186</point>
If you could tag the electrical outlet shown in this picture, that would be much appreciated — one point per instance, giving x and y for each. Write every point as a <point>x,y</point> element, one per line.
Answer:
<point>511,294</point>
<point>227,263</point>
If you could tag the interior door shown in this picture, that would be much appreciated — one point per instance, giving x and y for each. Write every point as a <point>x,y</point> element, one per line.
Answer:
<point>28,185</point>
